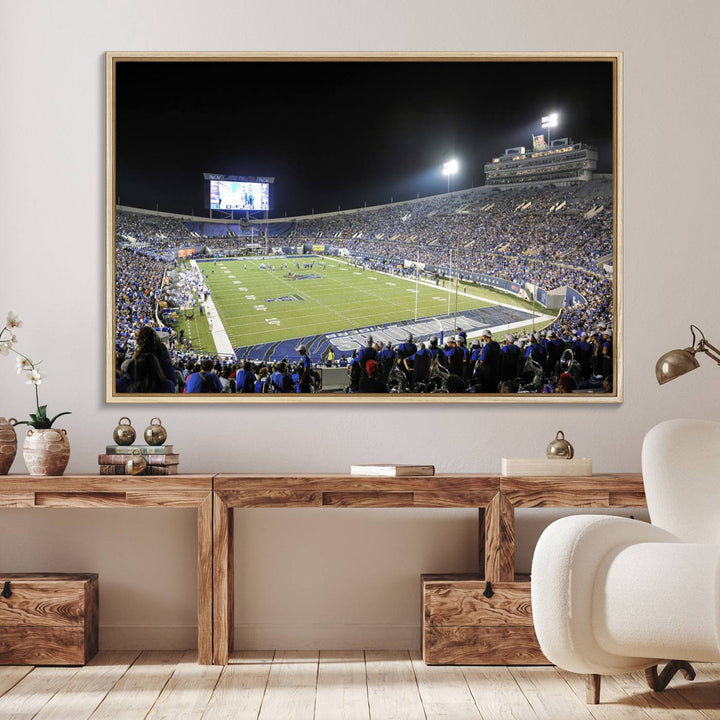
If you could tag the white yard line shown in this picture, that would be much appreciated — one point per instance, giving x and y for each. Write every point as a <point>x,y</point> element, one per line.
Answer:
<point>222,342</point>
<point>541,319</point>
<point>450,289</point>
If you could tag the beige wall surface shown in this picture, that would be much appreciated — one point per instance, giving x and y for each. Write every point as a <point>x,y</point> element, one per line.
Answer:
<point>366,563</point>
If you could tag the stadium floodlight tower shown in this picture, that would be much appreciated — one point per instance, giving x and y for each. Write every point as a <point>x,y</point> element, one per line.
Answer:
<point>550,121</point>
<point>450,168</point>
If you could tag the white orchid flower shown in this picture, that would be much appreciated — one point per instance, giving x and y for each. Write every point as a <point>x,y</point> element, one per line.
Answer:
<point>35,377</point>
<point>23,364</point>
<point>28,370</point>
<point>13,320</point>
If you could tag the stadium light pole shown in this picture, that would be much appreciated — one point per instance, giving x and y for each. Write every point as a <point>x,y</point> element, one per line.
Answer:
<point>457,282</point>
<point>417,283</point>
<point>550,121</point>
<point>449,169</point>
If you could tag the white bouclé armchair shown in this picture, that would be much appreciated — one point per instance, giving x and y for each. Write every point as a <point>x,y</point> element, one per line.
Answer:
<point>613,595</point>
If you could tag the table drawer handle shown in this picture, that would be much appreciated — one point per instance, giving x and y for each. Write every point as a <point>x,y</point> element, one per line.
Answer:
<point>488,592</point>
<point>6,592</point>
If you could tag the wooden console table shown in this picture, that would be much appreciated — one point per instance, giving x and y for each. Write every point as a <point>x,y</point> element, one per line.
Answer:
<point>215,497</point>
<point>126,491</point>
<point>495,497</point>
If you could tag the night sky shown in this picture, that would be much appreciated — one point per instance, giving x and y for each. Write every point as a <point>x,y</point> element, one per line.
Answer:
<point>340,133</point>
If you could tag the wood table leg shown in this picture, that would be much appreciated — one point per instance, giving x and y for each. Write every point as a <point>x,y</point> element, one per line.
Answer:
<point>500,540</point>
<point>223,581</point>
<point>481,541</point>
<point>205,581</point>
<point>592,689</point>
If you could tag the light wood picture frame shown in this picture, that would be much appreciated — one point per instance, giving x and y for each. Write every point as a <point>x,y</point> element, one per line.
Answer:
<point>522,247</point>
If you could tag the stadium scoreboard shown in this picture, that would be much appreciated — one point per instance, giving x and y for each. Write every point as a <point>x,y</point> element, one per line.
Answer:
<point>237,192</point>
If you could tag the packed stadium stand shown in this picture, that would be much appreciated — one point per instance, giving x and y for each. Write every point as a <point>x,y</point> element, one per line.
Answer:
<point>539,240</point>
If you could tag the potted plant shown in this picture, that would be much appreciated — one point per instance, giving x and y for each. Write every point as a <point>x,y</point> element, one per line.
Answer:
<point>46,449</point>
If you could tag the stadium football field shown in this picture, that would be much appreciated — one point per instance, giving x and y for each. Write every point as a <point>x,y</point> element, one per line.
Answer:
<point>259,301</point>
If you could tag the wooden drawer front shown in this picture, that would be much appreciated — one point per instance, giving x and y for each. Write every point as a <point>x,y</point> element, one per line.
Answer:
<point>43,602</point>
<point>463,603</point>
<point>482,646</point>
<point>42,646</point>
<point>48,619</point>
<point>464,627</point>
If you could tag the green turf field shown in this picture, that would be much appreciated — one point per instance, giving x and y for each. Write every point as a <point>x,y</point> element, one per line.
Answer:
<point>343,297</point>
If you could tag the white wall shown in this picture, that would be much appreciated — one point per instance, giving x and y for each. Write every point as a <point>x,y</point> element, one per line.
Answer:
<point>335,578</point>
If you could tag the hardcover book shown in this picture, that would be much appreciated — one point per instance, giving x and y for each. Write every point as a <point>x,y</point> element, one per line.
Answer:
<point>547,467</point>
<point>162,470</point>
<point>144,449</point>
<point>149,470</point>
<point>392,470</point>
<point>112,469</point>
<point>110,459</point>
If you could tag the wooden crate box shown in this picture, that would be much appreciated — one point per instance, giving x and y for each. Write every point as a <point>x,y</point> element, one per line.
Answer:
<point>48,618</point>
<point>461,626</point>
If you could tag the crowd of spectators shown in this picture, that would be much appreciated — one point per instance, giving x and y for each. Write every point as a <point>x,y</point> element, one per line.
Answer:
<point>156,231</point>
<point>138,286</point>
<point>159,236</point>
<point>185,286</point>
<point>548,237</point>
<point>152,367</point>
<point>543,362</point>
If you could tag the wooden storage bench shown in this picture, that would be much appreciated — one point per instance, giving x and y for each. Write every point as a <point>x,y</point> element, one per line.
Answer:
<point>48,618</point>
<point>462,626</point>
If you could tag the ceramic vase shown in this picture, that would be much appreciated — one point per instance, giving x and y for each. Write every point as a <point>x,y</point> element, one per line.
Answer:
<point>8,444</point>
<point>46,451</point>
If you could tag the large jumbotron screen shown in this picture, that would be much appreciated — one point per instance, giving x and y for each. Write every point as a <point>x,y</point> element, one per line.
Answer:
<point>232,195</point>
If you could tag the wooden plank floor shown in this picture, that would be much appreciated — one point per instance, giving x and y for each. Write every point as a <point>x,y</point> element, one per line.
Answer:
<point>344,685</point>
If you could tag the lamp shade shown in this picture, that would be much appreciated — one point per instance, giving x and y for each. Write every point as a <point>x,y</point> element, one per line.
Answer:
<point>675,363</point>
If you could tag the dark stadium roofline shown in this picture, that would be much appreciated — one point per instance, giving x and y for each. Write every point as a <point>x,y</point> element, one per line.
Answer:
<point>160,213</point>
<point>193,218</point>
<point>412,201</point>
<point>289,218</point>
<point>490,189</point>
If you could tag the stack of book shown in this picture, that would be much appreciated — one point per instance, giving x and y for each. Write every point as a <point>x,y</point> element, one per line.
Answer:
<point>160,459</point>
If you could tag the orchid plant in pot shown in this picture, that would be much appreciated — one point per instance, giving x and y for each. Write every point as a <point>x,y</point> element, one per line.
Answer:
<point>46,449</point>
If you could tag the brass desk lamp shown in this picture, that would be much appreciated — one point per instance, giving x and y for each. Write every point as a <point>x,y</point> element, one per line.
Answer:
<point>677,362</point>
